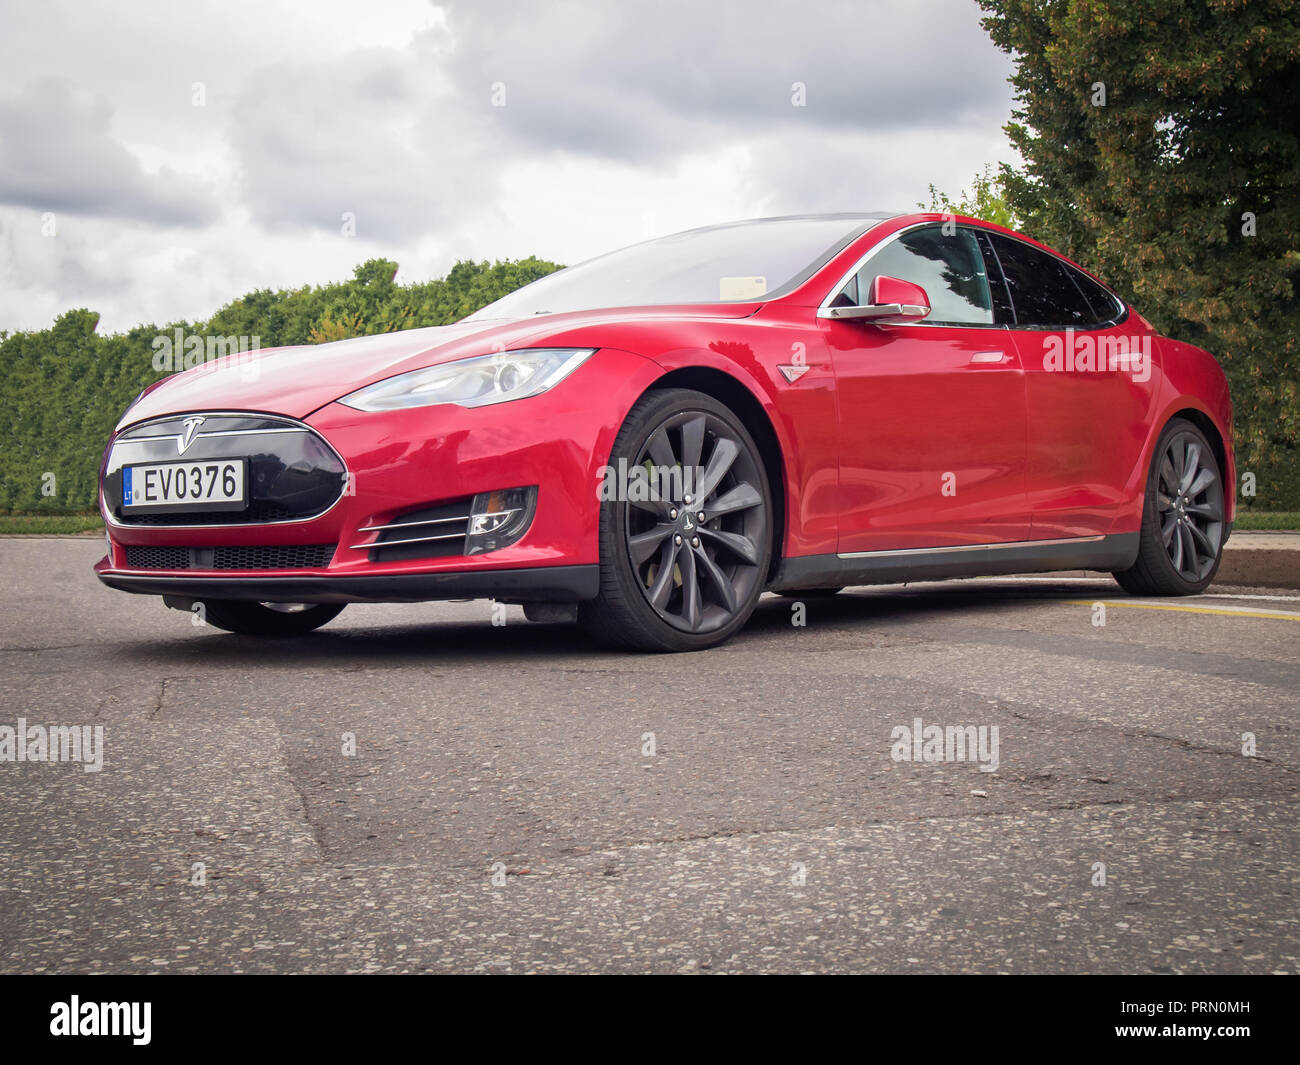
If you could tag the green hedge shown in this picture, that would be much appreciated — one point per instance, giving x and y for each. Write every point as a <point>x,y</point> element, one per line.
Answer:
<point>63,389</point>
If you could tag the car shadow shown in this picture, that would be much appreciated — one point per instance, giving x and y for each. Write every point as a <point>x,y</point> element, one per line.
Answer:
<point>865,611</point>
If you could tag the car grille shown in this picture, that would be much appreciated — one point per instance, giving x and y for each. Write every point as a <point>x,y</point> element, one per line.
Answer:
<point>273,556</point>
<point>293,473</point>
<point>433,532</point>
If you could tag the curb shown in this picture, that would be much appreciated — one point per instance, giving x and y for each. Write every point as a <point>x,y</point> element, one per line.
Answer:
<point>1261,560</point>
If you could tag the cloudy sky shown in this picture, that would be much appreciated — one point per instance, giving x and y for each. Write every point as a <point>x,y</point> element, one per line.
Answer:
<point>185,153</point>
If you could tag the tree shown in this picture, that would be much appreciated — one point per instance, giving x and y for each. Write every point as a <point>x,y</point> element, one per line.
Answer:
<point>986,199</point>
<point>1162,150</point>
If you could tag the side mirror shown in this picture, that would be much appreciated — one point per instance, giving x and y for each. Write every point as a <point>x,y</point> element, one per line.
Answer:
<point>890,301</point>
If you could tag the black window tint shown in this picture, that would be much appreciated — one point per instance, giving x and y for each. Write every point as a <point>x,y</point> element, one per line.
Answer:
<point>1002,311</point>
<point>949,268</point>
<point>1041,288</point>
<point>1104,307</point>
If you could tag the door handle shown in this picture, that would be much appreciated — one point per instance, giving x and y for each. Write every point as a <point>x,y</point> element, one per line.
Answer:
<point>988,356</point>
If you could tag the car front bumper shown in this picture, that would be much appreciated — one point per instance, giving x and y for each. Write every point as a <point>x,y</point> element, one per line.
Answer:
<point>544,584</point>
<point>400,465</point>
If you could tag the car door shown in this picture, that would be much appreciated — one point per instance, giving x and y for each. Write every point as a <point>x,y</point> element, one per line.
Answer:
<point>1089,391</point>
<point>931,415</point>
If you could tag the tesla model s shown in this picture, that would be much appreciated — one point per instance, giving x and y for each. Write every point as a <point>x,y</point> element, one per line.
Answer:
<point>649,440</point>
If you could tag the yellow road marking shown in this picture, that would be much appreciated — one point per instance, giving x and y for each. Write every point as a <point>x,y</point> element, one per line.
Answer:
<point>1276,615</point>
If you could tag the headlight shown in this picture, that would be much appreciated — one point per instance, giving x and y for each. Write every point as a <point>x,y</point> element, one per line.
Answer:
<point>473,382</point>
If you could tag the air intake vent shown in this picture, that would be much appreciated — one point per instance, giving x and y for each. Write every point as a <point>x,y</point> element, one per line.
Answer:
<point>435,532</point>
<point>280,556</point>
<point>158,557</point>
<point>273,556</point>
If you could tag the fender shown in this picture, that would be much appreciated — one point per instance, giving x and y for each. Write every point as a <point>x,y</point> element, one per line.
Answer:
<point>1186,373</point>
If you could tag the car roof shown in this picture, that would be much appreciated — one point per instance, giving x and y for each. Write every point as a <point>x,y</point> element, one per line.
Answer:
<point>831,216</point>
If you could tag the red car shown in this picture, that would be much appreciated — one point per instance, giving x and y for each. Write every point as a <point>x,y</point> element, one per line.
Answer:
<point>649,440</point>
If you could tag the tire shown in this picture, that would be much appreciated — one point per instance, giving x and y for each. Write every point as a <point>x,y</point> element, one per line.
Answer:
<point>669,582</point>
<point>1181,542</point>
<point>267,619</point>
<point>810,593</point>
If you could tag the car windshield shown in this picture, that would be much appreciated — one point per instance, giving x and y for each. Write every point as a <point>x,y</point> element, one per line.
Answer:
<point>735,263</point>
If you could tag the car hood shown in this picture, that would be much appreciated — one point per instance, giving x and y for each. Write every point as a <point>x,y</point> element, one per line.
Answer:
<point>296,381</point>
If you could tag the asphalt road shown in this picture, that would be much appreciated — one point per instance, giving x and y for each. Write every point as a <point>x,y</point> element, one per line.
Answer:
<point>501,812</point>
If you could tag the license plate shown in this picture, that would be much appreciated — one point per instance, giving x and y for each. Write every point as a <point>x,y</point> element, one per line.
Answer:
<point>176,487</point>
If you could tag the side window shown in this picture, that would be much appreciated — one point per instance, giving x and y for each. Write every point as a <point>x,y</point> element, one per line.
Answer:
<point>949,268</point>
<point>1043,291</point>
<point>1003,314</point>
<point>1105,308</point>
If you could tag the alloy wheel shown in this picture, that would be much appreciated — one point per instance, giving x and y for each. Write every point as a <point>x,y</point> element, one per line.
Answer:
<point>694,545</point>
<point>1189,506</point>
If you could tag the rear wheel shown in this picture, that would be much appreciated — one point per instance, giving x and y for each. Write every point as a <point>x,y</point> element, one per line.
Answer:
<point>1182,518</point>
<point>268,619</point>
<point>683,569</point>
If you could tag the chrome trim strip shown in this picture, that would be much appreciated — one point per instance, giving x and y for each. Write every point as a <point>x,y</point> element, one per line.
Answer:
<point>871,311</point>
<point>413,540</point>
<point>182,414</point>
<point>900,552</point>
<point>200,436</point>
<point>298,425</point>
<point>408,524</point>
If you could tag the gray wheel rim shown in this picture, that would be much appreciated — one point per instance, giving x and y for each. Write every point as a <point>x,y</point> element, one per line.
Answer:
<point>1189,506</point>
<point>696,553</point>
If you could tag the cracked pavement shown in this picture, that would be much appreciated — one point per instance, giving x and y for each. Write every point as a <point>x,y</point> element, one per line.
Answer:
<point>500,814</point>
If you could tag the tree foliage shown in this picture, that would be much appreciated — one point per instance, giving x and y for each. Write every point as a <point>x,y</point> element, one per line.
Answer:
<point>63,389</point>
<point>986,199</point>
<point>1162,148</point>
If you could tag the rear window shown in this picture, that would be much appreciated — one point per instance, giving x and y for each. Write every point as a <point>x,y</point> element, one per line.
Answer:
<point>1044,291</point>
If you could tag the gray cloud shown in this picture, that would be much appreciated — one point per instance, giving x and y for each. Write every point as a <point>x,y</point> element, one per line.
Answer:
<point>57,154</point>
<point>635,80</point>
<point>374,137</point>
<point>623,119</point>
<point>406,139</point>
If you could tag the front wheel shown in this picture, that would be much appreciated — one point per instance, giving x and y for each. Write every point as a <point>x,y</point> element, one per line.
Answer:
<point>268,619</point>
<point>686,540</point>
<point>1182,517</point>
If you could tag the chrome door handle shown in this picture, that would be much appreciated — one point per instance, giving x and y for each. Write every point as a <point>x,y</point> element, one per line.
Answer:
<point>989,356</point>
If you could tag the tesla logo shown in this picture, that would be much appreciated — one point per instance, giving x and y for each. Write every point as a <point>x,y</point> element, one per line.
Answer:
<point>187,436</point>
<point>793,373</point>
<point>689,525</point>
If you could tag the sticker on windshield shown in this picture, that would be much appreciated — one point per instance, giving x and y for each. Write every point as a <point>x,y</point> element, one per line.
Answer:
<point>741,288</point>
